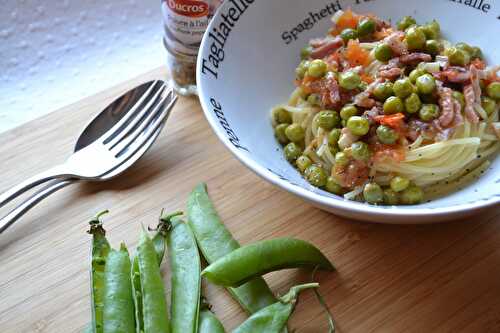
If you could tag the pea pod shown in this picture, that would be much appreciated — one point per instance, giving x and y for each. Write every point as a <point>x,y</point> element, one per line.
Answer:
<point>263,257</point>
<point>208,322</point>
<point>273,318</point>
<point>153,310</point>
<point>215,241</point>
<point>100,250</point>
<point>185,267</point>
<point>118,313</point>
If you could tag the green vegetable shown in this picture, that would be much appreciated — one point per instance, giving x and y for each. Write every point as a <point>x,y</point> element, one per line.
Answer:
<point>215,241</point>
<point>349,80</point>
<point>348,111</point>
<point>264,257</point>
<point>333,187</point>
<point>383,91</point>
<point>432,47</point>
<point>358,125</point>
<point>465,47</point>
<point>292,152</point>
<point>273,319</point>
<point>282,116</point>
<point>399,184</point>
<point>366,27</point>
<point>489,105</point>
<point>209,323</point>
<point>334,136</point>
<point>316,176</point>
<point>432,30</point>
<point>415,74</point>
<point>295,133</point>
<point>457,56</point>
<point>306,52</point>
<point>280,133</point>
<point>314,99</point>
<point>429,112</point>
<point>383,52</point>
<point>391,197</point>
<point>341,159</point>
<point>477,53</point>
<point>413,103</point>
<point>303,162</point>
<point>413,195</point>
<point>394,105</point>
<point>387,135</point>
<point>493,90</point>
<point>426,84</point>
<point>317,68</point>
<point>405,23</point>
<point>302,69</point>
<point>415,39</point>
<point>360,151</point>
<point>373,194</point>
<point>118,312</point>
<point>403,88</point>
<point>348,34</point>
<point>328,119</point>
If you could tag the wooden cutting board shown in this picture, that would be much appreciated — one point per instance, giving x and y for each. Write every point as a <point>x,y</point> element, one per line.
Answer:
<point>439,278</point>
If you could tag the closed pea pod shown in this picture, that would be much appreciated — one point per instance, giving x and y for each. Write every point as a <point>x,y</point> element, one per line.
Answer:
<point>118,313</point>
<point>215,241</point>
<point>263,257</point>
<point>185,267</point>
<point>274,318</point>
<point>100,250</point>
<point>208,322</point>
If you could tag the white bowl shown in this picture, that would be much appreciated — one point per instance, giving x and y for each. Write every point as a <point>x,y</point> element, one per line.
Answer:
<point>255,71</point>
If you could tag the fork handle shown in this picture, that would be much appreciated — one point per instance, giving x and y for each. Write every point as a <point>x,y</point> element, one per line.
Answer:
<point>55,172</point>
<point>32,201</point>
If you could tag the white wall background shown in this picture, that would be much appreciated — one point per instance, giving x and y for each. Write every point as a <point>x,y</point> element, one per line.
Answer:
<point>56,52</point>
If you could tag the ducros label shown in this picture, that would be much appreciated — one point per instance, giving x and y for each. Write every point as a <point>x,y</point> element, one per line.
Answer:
<point>189,8</point>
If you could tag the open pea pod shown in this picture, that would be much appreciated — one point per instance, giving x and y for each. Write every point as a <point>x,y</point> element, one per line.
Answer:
<point>100,250</point>
<point>273,318</point>
<point>215,241</point>
<point>257,259</point>
<point>118,311</point>
<point>185,267</point>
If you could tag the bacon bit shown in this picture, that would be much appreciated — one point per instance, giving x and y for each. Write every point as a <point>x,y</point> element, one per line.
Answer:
<point>356,55</point>
<point>355,174</point>
<point>455,75</point>
<point>382,152</point>
<point>395,121</point>
<point>333,61</point>
<point>309,84</point>
<point>372,114</point>
<point>333,92</point>
<point>478,63</point>
<point>348,20</point>
<point>367,78</point>
<point>381,34</point>
<point>475,83</point>
<point>470,101</point>
<point>447,107</point>
<point>395,42</point>
<point>415,58</point>
<point>390,74</point>
<point>329,46</point>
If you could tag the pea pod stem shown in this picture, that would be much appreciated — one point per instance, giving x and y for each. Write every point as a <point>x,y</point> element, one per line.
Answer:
<point>215,241</point>
<point>273,318</point>
<point>100,250</point>
<point>185,267</point>
<point>266,256</point>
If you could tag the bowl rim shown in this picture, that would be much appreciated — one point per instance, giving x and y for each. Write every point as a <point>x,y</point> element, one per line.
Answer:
<point>341,205</point>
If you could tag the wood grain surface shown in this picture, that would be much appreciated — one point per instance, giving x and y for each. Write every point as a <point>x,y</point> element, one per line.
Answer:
<point>438,278</point>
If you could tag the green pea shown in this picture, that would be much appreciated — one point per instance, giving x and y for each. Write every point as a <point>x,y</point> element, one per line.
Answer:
<point>373,194</point>
<point>314,100</point>
<point>489,105</point>
<point>282,116</point>
<point>348,34</point>
<point>348,111</point>
<point>405,23</point>
<point>383,91</point>
<point>460,98</point>
<point>302,69</point>
<point>399,184</point>
<point>383,52</point>
<point>435,27</point>
<point>316,176</point>
<point>303,162</point>
<point>215,241</point>
<point>317,68</point>
<point>394,105</point>
<point>341,159</point>
<point>415,74</point>
<point>306,52</point>
<point>429,112</point>
<point>457,56</point>
<point>415,38</point>
<point>477,53</point>
<point>280,133</point>
<point>390,197</point>
<point>432,47</point>
<point>363,86</point>
<point>349,80</point>
<point>295,133</point>
<point>430,32</point>
<point>328,119</point>
<point>257,259</point>
<point>334,136</point>
<point>333,187</point>
<point>426,84</point>
<point>413,103</point>
<point>413,195</point>
<point>358,125</point>
<point>292,152</point>
<point>465,47</point>
<point>366,26</point>
<point>493,90</point>
<point>360,151</point>
<point>387,135</point>
<point>403,88</point>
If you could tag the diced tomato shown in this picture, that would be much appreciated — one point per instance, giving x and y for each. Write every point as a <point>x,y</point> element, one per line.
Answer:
<point>395,121</point>
<point>348,20</point>
<point>381,152</point>
<point>356,55</point>
<point>381,34</point>
<point>367,78</point>
<point>356,173</point>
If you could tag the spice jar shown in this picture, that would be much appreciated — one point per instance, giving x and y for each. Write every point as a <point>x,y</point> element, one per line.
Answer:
<point>185,22</point>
